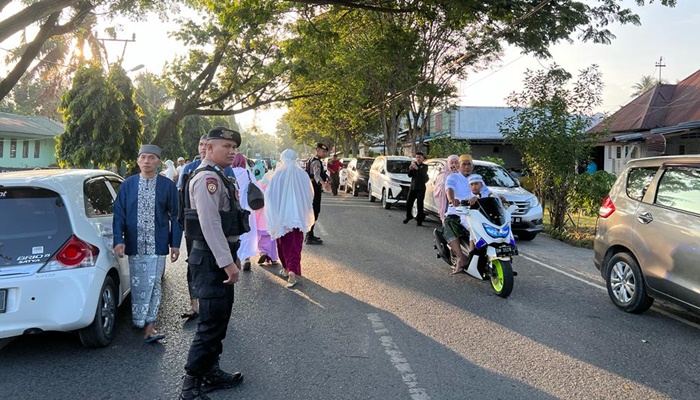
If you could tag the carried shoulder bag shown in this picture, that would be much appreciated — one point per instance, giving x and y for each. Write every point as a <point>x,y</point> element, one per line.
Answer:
<point>256,199</point>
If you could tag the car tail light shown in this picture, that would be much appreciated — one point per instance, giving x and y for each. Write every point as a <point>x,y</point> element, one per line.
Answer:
<point>76,253</point>
<point>607,208</point>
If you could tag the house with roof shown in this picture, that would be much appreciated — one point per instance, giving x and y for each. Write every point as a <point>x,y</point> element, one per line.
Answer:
<point>664,120</point>
<point>27,142</point>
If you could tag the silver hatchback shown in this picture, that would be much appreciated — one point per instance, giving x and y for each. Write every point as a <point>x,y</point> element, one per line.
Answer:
<point>647,244</point>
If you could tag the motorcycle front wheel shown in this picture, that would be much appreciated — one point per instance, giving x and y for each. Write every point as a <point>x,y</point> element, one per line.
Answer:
<point>501,277</point>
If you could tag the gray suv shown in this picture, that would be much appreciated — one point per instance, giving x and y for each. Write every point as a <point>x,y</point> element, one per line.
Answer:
<point>648,240</point>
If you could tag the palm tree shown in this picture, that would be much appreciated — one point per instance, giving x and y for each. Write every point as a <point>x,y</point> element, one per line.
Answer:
<point>647,82</point>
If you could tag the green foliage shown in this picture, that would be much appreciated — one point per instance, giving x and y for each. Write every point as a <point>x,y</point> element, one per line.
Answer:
<point>193,127</point>
<point>589,190</point>
<point>549,129</point>
<point>446,146</point>
<point>495,160</point>
<point>103,125</point>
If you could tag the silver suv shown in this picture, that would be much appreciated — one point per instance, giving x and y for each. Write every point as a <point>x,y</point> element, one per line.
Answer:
<point>648,240</point>
<point>526,220</point>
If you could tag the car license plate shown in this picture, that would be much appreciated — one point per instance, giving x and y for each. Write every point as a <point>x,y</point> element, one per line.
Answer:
<point>3,300</point>
<point>506,250</point>
<point>516,220</point>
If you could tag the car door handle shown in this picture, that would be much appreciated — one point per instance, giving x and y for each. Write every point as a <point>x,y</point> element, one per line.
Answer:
<point>645,217</point>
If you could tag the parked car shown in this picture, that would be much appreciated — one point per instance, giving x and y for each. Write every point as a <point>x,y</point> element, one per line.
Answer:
<point>526,221</point>
<point>358,175</point>
<point>57,268</point>
<point>647,243</point>
<point>342,174</point>
<point>388,180</point>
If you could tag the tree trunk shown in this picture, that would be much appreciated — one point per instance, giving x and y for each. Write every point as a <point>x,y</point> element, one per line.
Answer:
<point>31,14</point>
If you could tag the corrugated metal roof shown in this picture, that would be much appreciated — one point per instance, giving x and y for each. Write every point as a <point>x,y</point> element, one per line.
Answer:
<point>663,106</point>
<point>26,126</point>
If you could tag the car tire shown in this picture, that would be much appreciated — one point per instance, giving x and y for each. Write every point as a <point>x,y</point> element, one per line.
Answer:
<point>369,191</point>
<point>625,284</point>
<point>355,192</point>
<point>385,204</point>
<point>100,332</point>
<point>526,236</point>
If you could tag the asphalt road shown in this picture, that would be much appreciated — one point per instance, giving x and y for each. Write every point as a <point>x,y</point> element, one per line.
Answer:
<point>378,316</point>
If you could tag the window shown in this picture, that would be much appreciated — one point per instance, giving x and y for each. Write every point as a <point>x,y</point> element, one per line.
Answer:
<point>438,122</point>
<point>25,149</point>
<point>638,180</point>
<point>37,147</point>
<point>681,149</point>
<point>618,152</point>
<point>13,148</point>
<point>2,147</point>
<point>98,199</point>
<point>679,188</point>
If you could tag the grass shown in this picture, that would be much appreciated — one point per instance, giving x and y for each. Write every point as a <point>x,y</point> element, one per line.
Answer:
<point>579,230</point>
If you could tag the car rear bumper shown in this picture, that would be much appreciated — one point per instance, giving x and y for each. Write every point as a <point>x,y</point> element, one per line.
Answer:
<point>54,301</point>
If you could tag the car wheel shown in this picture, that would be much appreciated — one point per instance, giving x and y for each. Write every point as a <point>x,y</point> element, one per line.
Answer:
<point>625,284</point>
<point>100,332</point>
<point>369,191</point>
<point>526,236</point>
<point>384,202</point>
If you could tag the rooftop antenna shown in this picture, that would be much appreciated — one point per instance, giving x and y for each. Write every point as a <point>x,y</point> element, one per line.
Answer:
<point>660,64</point>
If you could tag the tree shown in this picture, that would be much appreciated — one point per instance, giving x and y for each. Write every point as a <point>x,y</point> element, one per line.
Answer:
<point>647,82</point>
<point>103,125</point>
<point>549,129</point>
<point>445,146</point>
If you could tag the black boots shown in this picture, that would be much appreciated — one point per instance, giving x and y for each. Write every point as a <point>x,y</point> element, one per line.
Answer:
<point>192,389</point>
<point>218,379</point>
<point>311,239</point>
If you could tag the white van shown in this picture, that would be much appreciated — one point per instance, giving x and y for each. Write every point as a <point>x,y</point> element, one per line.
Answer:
<point>388,180</point>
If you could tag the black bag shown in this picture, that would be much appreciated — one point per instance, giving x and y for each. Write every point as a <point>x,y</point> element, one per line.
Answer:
<point>256,199</point>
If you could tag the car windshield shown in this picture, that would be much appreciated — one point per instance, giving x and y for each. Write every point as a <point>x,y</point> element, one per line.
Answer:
<point>364,165</point>
<point>495,176</point>
<point>35,225</point>
<point>397,166</point>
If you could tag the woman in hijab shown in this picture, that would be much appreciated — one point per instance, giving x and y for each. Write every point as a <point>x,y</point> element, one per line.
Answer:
<point>266,246</point>
<point>439,193</point>
<point>170,172</point>
<point>289,212</point>
<point>249,240</point>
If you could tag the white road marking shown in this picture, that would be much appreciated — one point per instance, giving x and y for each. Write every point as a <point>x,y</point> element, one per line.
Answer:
<point>397,358</point>
<point>603,288</point>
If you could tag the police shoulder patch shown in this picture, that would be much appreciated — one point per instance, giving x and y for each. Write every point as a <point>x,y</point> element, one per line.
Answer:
<point>212,185</point>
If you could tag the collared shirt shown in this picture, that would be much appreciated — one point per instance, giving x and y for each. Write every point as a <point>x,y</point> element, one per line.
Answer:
<point>316,168</point>
<point>208,196</point>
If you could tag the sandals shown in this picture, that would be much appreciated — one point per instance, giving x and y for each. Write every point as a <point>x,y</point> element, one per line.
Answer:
<point>154,339</point>
<point>192,314</point>
<point>458,270</point>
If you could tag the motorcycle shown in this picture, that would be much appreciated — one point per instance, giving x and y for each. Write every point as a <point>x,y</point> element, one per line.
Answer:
<point>489,224</point>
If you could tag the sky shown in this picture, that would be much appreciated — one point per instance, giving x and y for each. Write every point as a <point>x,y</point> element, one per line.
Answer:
<point>665,32</point>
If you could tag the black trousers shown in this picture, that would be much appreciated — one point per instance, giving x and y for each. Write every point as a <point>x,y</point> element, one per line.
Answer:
<point>335,183</point>
<point>215,306</point>
<point>415,195</point>
<point>190,284</point>
<point>318,189</point>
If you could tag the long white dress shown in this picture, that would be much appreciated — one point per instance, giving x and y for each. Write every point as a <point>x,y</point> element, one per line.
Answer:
<point>249,240</point>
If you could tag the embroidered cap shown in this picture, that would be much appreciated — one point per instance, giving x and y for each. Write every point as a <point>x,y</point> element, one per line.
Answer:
<point>221,132</point>
<point>150,149</point>
<point>465,157</point>
<point>321,146</point>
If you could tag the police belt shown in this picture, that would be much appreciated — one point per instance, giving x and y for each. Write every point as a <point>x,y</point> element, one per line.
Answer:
<point>202,245</point>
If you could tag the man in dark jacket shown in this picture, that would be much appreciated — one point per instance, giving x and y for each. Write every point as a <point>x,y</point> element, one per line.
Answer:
<point>418,172</point>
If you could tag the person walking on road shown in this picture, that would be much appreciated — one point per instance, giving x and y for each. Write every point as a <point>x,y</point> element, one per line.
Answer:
<point>334,167</point>
<point>418,172</point>
<point>249,240</point>
<point>439,193</point>
<point>214,223</point>
<point>319,181</point>
<point>289,213</point>
<point>146,229</point>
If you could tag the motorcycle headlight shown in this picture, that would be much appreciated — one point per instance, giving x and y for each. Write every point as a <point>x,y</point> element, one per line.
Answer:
<point>495,232</point>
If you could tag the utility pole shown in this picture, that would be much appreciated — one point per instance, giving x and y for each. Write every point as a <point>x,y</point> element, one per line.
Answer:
<point>125,41</point>
<point>660,64</point>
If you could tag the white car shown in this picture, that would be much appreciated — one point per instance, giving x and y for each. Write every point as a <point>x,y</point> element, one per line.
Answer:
<point>57,268</point>
<point>388,180</point>
<point>343,173</point>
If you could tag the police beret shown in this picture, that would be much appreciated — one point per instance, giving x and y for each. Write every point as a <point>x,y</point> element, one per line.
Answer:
<point>150,149</point>
<point>321,146</point>
<point>221,132</point>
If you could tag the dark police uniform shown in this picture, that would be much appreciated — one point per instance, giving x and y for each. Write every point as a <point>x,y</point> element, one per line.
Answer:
<point>213,206</point>
<point>314,167</point>
<point>419,177</point>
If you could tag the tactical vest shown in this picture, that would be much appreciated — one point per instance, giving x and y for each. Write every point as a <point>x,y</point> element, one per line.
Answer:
<point>234,222</point>
<point>324,176</point>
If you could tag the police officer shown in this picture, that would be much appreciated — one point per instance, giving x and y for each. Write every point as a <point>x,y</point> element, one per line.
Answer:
<point>319,180</point>
<point>210,221</point>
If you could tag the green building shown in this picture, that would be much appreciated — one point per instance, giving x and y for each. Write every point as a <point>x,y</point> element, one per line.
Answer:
<point>27,142</point>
